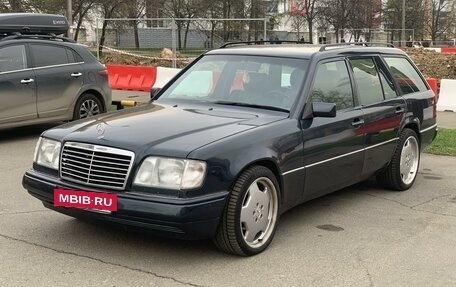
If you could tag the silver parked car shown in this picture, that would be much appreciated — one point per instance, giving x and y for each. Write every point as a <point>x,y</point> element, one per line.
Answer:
<point>45,78</point>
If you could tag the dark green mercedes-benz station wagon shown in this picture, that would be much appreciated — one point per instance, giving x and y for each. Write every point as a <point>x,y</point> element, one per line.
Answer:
<point>240,136</point>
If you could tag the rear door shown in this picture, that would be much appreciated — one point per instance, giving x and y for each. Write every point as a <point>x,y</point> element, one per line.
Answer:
<point>17,85</point>
<point>383,109</point>
<point>59,78</point>
<point>333,147</point>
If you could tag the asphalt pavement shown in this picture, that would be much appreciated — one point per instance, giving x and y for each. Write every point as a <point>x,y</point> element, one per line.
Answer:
<point>359,236</point>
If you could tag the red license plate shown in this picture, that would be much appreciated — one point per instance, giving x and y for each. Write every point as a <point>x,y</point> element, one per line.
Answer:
<point>95,201</point>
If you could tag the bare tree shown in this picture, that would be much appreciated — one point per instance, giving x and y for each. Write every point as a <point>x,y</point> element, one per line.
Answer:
<point>311,15</point>
<point>213,8</point>
<point>298,22</point>
<point>16,6</point>
<point>232,9</point>
<point>49,6</point>
<point>254,10</point>
<point>176,9</point>
<point>436,27</point>
<point>364,18</point>
<point>108,9</point>
<point>451,22</point>
<point>337,13</point>
<point>135,9</point>
<point>80,10</point>
<point>414,17</point>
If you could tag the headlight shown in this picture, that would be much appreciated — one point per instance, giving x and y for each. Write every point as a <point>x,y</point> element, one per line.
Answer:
<point>171,173</point>
<point>47,153</point>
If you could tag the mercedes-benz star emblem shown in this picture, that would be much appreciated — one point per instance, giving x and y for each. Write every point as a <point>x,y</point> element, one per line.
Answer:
<point>100,130</point>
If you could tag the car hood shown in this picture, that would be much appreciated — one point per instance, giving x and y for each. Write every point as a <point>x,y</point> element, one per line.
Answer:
<point>161,129</point>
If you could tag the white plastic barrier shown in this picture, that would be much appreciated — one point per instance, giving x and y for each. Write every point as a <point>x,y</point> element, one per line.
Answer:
<point>164,75</point>
<point>447,96</point>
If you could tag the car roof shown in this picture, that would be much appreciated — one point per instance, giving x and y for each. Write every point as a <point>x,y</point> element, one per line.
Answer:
<point>41,41</point>
<point>303,50</point>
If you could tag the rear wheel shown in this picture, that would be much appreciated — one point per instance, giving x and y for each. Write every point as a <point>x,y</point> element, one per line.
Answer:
<point>403,168</point>
<point>87,105</point>
<point>250,217</point>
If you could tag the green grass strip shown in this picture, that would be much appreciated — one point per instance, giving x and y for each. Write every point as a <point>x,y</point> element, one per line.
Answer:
<point>444,143</point>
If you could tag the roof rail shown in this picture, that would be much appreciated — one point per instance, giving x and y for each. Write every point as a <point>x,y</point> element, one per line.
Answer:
<point>362,44</point>
<point>262,42</point>
<point>17,35</point>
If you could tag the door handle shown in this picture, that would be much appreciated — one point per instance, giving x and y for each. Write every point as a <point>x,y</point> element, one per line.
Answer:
<point>27,81</point>
<point>357,122</point>
<point>75,75</point>
<point>399,110</point>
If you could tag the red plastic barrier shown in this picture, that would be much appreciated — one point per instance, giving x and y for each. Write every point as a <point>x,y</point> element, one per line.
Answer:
<point>433,84</point>
<point>135,78</point>
<point>448,50</point>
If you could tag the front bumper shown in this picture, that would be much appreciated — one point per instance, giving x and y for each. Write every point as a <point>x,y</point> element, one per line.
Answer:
<point>171,217</point>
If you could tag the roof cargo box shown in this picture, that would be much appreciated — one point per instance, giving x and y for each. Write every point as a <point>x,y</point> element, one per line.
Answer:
<point>29,23</point>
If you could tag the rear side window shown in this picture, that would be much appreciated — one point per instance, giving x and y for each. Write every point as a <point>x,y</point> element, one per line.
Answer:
<point>332,85</point>
<point>13,58</point>
<point>406,76</point>
<point>70,56</point>
<point>367,81</point>
<point>49,55</point>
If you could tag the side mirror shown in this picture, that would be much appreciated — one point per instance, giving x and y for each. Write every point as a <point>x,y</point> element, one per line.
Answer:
<point>324,110</point>
<point>319,109</point>
<point>154,91</point>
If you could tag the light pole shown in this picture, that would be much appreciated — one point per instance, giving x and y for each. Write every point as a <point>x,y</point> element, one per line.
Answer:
<point>403,24</point>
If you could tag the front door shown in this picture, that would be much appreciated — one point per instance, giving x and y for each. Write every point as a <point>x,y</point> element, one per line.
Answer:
<point>17,85</point>
<point>333,147</point>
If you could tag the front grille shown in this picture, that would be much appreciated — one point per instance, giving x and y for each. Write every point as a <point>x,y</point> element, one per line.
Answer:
<point>95,165</point>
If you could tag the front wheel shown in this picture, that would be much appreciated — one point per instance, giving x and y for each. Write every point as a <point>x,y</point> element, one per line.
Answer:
<point>251,213</point>
<point>403,168</point>
<point>87,105</point>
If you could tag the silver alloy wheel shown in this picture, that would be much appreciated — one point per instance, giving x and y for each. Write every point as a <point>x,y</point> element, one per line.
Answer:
<point>89,108</point>
<point>259,212</point>
<point>409,160</point>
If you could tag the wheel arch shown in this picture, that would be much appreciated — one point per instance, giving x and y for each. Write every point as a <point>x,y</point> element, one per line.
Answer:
<point>414,126</point>
<point>98,95</point>
<point>272,166</point>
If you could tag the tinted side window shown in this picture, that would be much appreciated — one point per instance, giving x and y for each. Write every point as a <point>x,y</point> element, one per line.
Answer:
<point>49,55</point>
<point>78,57</point>
<point>389,90</point>
<point>367,81</point>
<point>70,56</point>
<point>13,58</point>
<point>406,76</point>
<point>332,85</point>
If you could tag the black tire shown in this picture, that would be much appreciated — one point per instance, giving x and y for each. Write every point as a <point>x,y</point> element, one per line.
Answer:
<point>233,234</point>
<point>408,149</point>
<point>87,105</point>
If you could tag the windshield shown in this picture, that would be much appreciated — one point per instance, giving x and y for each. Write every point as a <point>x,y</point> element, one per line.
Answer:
<point>254,81</point>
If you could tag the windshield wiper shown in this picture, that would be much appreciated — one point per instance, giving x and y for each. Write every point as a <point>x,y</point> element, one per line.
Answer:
<point>228,103</point>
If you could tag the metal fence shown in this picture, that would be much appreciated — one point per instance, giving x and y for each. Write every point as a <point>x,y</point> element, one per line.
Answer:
<point>372,35</point>
<point>183,38</point>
